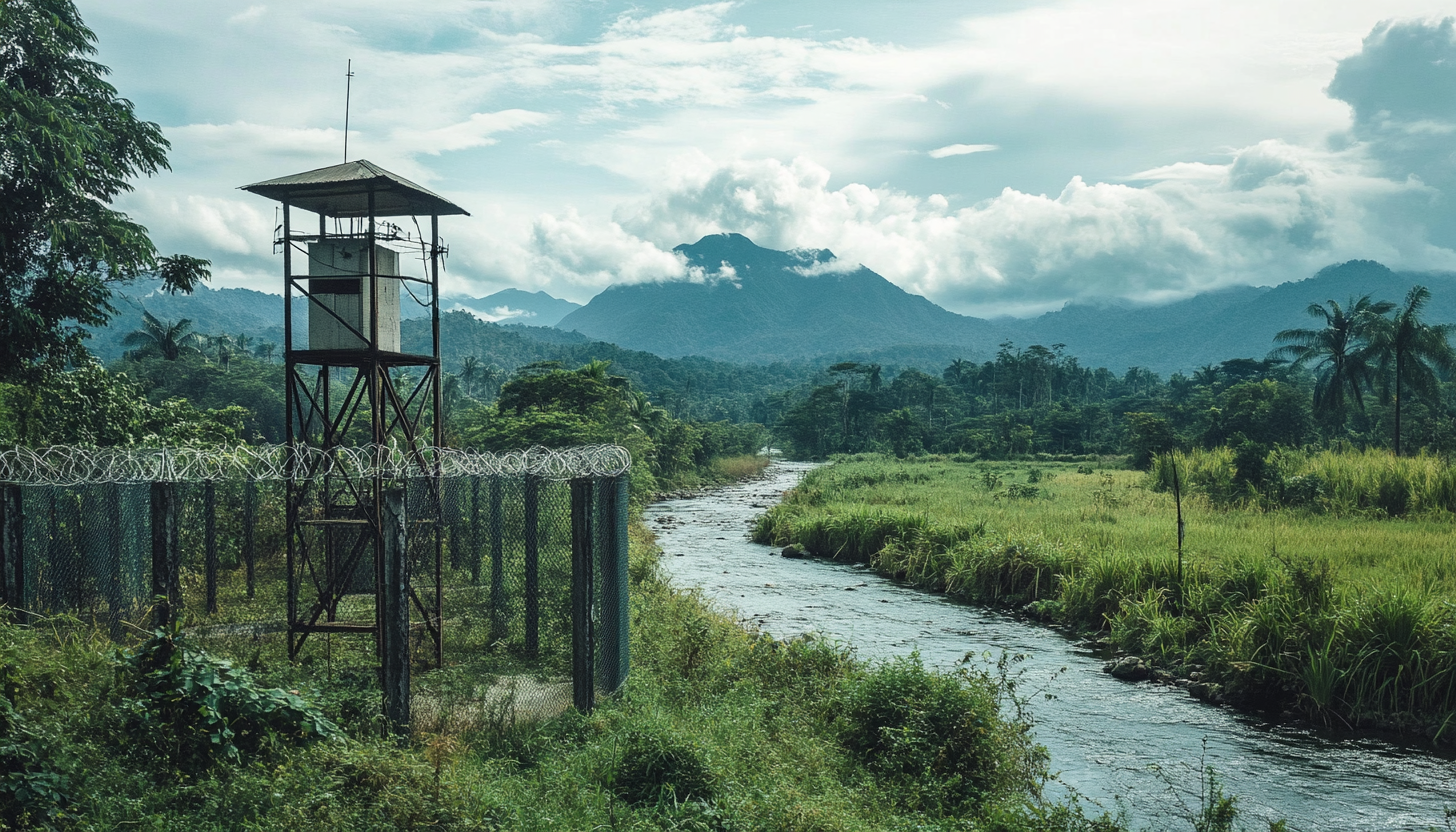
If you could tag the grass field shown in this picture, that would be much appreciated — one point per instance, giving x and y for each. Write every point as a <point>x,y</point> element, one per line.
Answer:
<point>1333,609</point>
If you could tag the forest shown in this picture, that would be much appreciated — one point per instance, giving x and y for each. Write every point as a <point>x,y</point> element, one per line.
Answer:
<point>1369,374</point>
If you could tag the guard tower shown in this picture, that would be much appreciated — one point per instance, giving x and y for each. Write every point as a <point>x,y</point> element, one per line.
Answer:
<point>364,549</point>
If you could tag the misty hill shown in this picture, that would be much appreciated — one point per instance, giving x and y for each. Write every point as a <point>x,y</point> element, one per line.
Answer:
<point>757,304</point>
<point>513,306</point>
<point>1215,326</point>
<point>765,308</point>
<point>260,314</point>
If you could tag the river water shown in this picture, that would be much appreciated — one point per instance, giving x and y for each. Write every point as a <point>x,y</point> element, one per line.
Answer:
<point>1130,747</point>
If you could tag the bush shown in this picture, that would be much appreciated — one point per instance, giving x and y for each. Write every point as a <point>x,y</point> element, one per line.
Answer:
<point>34,787</point>
<point>657,765</point>
<point>936,738</point>
<point>192,709</point>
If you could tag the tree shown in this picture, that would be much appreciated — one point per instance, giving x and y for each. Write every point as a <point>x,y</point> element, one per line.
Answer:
<point>1148,435</point>
<point>1266,412</point>
<point>220,343</point>
<point>469,372</point>
<point>1411,350</point>
<point>1340,351</point>
<point>169,340</point>
<point>69,144</point>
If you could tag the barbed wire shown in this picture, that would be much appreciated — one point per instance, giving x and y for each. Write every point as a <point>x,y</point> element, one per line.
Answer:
<point>67,465</point>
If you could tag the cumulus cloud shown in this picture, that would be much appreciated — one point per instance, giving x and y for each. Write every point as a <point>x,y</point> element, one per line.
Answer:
<point>662,124</point>
<point>1401,88</point>
<point>1273,212</point>
<point>495,314</point>
<point>248,15</point>
<point>596,255</point>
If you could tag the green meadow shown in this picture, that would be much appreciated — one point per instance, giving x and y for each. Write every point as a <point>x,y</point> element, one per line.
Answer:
<point>1325,592</point>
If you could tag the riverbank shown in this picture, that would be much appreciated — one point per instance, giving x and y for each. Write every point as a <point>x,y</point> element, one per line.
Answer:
<point>718,728</point>
<point>1289,629</point>
<point>1137,749</point>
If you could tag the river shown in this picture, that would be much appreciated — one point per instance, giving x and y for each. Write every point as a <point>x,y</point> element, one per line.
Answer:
<point>1130,747</point>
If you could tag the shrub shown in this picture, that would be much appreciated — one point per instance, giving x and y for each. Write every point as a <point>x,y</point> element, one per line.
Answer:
<point>657,765</point>
<point>936,738</point>
<point>192,709</point>
<point>34,787</point>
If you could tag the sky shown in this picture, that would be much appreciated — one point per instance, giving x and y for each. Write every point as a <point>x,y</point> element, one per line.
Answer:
<point>998,157</point>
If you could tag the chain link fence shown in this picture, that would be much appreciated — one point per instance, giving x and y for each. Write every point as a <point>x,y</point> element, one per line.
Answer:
<point>528,616</point>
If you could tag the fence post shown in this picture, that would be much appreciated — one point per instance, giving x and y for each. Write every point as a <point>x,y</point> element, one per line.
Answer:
<point>533,565</point>
<point>475,530</point>
<point>250,512</point>
<point>497,563</point>
<point>12,548</point>
<point>166,565</point>
<point>209,542</point>
<point>583,685</point>
<point>614,655</point>
<point>394,614</point>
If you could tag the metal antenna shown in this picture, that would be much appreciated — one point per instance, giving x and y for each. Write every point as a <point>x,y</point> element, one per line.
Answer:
<point>348,90</point>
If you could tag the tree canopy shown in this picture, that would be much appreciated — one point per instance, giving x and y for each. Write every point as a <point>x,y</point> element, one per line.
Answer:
<point>69,144</point>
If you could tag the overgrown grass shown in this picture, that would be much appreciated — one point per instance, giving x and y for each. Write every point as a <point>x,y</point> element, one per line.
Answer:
<point>719,728</point>
<point>1369,484</point>
<point>1339,611</point>
<point>732,468</point>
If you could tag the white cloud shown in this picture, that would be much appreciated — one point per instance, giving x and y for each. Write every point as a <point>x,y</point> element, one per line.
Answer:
<point>961,150</point>
<point>248,15</point>
<point>596,255</point>
<point>495,314</point>
<point>477,131</point>
<point>587,139</point>
<point>212,224</point>
<point>1274,212</point>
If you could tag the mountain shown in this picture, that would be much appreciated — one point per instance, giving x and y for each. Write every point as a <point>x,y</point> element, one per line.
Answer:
<point>260,314</point>
<point>212,312</point>
<point>1215,326</point>
<point>748,303</point>
<point>755,304</point>
<point>512,306</point>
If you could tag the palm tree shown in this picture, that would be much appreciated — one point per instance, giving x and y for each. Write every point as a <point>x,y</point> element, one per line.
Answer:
<point>957,372</point>
<point>1413,350</point>
<point>648,416</point>
<point>169,340</point>
<point>1207,375</point>
<point>595,369</point>
<point>1341,351</point>
<point>469,372</point>
<point>221,344</point>
<point>265,351</point>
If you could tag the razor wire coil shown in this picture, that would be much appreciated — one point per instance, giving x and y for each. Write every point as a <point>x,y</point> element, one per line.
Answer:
<point>69,465</point>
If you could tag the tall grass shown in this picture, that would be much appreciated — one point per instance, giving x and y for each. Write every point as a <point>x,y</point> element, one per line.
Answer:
<point>734,468</point>
<point>1335,610</point>
<point>1368,483</point>
<point>718,728</point>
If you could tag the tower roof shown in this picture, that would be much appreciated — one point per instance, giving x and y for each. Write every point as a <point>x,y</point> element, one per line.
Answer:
<point>343,191</point>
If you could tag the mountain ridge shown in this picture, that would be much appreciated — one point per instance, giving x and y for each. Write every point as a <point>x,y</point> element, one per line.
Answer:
<point>806,307</point>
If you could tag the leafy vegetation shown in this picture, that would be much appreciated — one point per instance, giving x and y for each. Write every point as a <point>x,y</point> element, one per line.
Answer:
<point>1304,597</point>
<point>718,728</point>
<point>70,146</point>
